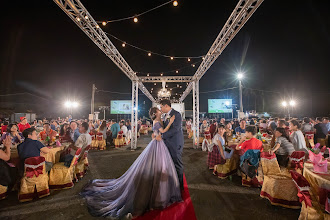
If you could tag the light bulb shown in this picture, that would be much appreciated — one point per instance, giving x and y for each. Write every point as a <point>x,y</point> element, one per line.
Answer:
<point>104,23</point>
<point>172,58</point>
<point>78,19</point>
<point>161,74</point>
<point>155,83</point>
<point>149,54</point>
<point>123,44</point>
<point>177,71</point>
<point>135,20</point>
<point>148,74</point>
<point>193,65</point>
<point>175,3</point>
<point>188,59</point>
<point>97,26</point>
<point>86,17</point>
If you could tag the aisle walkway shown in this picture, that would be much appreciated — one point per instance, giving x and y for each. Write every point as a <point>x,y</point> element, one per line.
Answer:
<point>211,197</point>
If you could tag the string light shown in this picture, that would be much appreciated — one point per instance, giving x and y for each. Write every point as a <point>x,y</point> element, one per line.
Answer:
<point>193,65</point>
<point>148,51</point>
<point>161,74</point>
<point>97,26</point>
<point>86,17</point>
<point>148,74</point>
<point>177,85</point>
<point>123,44</point>
<point>149,54</point>
<point>175,3</point>
<point>177,71</point>
<point>135,20</point>
<point>78,19</point>
<point>104,23</point>
<point>180,87</point>
<point>155,83</point>
<point>172,58</point>
<point>145,12</point>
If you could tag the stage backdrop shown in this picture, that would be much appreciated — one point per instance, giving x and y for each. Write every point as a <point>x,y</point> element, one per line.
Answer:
<point>121,106</point>
<point>220,105</point>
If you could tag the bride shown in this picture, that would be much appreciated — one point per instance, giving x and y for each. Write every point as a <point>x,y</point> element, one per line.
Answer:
<point>150,183</point>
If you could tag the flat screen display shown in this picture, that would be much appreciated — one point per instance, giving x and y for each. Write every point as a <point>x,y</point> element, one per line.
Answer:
<point>220,105</point>
<point>121,106</point>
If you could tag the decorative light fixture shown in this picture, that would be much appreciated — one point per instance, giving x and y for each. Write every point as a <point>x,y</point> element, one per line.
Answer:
<point>149,54</point>
<point>188,59</point>
<point>135,20</point>
<point>123,44</point>
<point>175,3</point>
<point>86,17</point>
<point>177,71</point>
<point>148,74</point>
<point>193,65</point>
<point>104,23</point>
<point>172,58</point>
<point>161,74</point>
<point>97,26</point>
<point>78,19</point>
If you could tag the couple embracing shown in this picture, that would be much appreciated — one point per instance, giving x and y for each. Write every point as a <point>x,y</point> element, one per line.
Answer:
<point>154,180</point>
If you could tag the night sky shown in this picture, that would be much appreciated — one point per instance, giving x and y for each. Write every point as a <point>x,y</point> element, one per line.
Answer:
<point>283,48</point>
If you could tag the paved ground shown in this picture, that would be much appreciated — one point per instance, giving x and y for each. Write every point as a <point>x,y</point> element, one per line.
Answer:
<point>212,198</point>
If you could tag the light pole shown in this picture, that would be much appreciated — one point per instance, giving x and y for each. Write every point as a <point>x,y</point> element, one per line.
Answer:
<point>291,103</point>
<point>240,77</point>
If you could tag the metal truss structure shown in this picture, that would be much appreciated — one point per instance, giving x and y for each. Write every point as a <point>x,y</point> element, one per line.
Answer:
<point>242,12</point>
<point>134,118</point>
<point>155,79</point>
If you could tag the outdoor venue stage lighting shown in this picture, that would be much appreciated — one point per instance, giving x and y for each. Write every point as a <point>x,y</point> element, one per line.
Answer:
<point>240,76</point>
<point>75,104</point>
<point>67,104</point>
<point>292,103</point>
<point>284,104</point>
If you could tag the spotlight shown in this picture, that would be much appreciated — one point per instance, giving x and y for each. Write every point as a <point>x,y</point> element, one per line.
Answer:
<point>292,103</point>
<point>284,104</point>
<point>240,76</point>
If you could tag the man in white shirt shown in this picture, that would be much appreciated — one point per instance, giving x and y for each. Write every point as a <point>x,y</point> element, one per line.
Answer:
<point>123,128</point>
<point>82,142</point>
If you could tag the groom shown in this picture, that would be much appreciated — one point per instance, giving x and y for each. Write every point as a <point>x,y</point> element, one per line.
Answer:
<point>173,138</point>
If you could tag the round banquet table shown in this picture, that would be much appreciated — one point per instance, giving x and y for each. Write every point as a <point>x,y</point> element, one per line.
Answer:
<point>319,187</point>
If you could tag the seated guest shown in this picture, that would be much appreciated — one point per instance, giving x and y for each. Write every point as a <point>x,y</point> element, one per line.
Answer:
<point>47,135</point>
<point>252,143</point>
<point>82,142</point>
<point>204,127</point>
<point>31,147</point>
<point>123,128</point>
<point>115,128</point>
<point>4,127</point>
<point>7,174</point>
<point>74,131</point>
<point>326,122</point>
<point>12,132</point>
<point>23,125</point>
<point>213,128</point>
<point>297,138</point>
<point>219,139</point>
<point>103,129</point>
<point>283,147</point>
<point>241,129</point>
<point>229,129</point>
<point>65,133</point>
<point>307,126</point>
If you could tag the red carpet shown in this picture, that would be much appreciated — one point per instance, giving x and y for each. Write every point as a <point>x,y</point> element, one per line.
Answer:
<point>178,211</point>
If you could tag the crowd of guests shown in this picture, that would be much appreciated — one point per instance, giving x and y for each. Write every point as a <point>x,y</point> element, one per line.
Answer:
<point>38,137</point>
<point>287,135</point>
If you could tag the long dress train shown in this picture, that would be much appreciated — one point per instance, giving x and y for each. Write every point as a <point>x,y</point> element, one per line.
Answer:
<point>150,183</point>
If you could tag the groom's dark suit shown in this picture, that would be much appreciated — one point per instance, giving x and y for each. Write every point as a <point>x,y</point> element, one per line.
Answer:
<point>173,139</point>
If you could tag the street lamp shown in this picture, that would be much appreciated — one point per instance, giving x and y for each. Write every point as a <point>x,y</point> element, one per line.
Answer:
<point>240,77</point>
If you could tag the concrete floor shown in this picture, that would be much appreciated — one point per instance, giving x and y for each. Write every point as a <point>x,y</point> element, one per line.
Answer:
<point>212,198</point>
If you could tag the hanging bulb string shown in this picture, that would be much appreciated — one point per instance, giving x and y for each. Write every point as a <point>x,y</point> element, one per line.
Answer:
<point>155,53</point>
<point>138,15</point>
<point>170,71</point>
